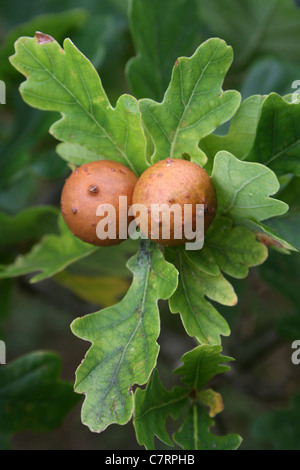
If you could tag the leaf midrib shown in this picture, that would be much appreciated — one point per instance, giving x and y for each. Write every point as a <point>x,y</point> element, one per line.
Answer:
<point>113,380</point>
<point>163,405</point>
<point>187,297</point>
<point>87,112</point>
<point>186,107</point>
<point>240,188</point>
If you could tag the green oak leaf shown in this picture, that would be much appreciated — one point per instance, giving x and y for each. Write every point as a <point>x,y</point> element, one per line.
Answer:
<point>233,249</point>
<point>243,188</point>
<point>152,406</point>
<point>199,317</point>
<point>241,135</point>
<point>48,257</point>
<point>195,434</point>
<point>286,225</point>
<point>227,248</point>
<point>269,237</point>
<point>32,396</point>
<point>124,341</point>
<point>194,104</point>
<point>201,364</point>
<point>160,31</point>
<point>64,80</point>
<point>277,142</point>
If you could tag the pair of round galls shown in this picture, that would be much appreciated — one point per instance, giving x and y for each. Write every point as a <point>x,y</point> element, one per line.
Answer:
<point>169,181</point>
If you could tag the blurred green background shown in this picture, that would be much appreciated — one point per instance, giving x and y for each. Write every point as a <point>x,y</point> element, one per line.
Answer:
<point>260,393</point>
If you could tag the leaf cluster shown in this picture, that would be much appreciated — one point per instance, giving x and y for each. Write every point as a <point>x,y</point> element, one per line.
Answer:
<point>176,107</point>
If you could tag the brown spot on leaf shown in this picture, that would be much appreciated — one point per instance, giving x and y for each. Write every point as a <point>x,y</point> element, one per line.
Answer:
<point>43,38</point>
<point>74,210</point>
<point>267,240</point>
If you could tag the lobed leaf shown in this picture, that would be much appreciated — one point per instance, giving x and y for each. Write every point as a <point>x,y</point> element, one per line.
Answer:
<point>195,434</point>
<point>243,189</point>
<point>124,341</point>
<point>230,249</point>
<point>200,319</point>
<point>201,364</point>
<point>194,104</point>
<point>241,135</point>
<point>233,249</point>
<point>152,406</point>
<point>64,80</point>
<point>155,404</point>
